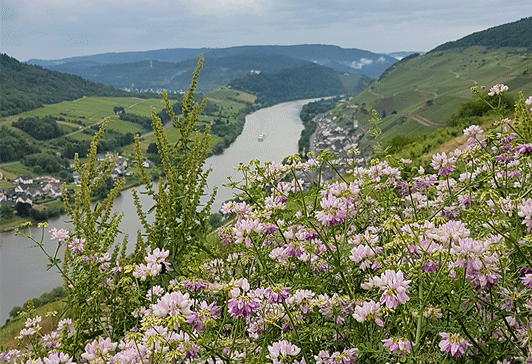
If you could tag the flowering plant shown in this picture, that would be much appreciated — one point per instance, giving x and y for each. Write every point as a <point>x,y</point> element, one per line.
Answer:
<point>375,266</point>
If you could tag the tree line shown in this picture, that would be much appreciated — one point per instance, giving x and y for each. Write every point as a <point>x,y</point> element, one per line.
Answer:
<point>44,128</point>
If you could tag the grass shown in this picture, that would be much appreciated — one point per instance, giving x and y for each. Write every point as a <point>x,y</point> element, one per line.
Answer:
<point>90,110</point>
<point>13,170</point>
<point>229,101</point>
<point>6,184</point>
<point>225,93</point>
<point>10,330</point>
<point>124,127</point>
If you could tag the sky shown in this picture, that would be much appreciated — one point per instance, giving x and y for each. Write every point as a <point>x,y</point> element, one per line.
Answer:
<point>54,29</point>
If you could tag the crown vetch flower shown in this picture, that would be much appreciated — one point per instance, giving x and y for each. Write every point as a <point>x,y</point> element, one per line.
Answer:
<point>403,346</point>
<point>281,349</point>
<point>98,348</point>
<point>60,235</point>
<point>497,89</point>
<point>172,304</point>
<point>242,306</point>
<point>453,344</point>
<point>527,280</point>
<point>370,310</point>
<point>57,358</point>
<point>394,286</point>
<point>77,245</point>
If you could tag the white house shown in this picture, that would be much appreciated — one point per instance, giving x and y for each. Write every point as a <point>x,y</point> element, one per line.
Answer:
<point>26,180</point>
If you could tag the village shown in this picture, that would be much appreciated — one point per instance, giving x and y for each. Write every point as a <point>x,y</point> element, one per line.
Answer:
<point>336,138</point>
<point>31,191</point>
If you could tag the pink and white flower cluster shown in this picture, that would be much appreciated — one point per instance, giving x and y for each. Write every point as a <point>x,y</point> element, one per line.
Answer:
<point>154,264</point>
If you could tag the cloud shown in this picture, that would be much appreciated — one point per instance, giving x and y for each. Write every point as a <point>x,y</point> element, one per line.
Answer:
<point>381,59</point>
<point>7,13</point>
<point>361,63</point>
<point>226,8</point>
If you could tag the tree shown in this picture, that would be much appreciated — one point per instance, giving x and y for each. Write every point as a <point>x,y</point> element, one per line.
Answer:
<point>23,209</point>
<point>38,215</point>
<point>152,148</point>
<point>118,110</point>
<point>6,213</point>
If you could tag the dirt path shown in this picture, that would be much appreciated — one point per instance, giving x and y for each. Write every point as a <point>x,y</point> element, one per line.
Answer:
<point>168,125</point>
<point>423,121</point>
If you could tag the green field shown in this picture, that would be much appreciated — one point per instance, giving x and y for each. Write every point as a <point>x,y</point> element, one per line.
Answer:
<point>77,117</point>
<point>90,110</point>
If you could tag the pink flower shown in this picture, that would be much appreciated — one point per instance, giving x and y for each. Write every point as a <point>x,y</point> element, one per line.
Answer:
<point>172,304</point>
<point>497,89</point>
<point>60,235</point>
<point>527,280</point>
<point>57,358</point>
<point>402,345</point>
<point>525,210</point>
<point>77,245</point>
<point>154,266</point>
<point>363,252</point>
<point>334,210</point>
<point>243,306</point>
<point>443,164</point>
<point>368,311</point>
<point>206,311</point>
<point>474,131</point>
<point>453,344</point>
<point>281,349</point>
<point>348,356</point>
<point>394,286</point>
<point>278,294</point>
<point>98,348</point>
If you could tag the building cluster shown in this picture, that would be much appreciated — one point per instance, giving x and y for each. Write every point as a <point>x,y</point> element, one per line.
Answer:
<point>119,170</point>
<point>331,136</point>
<point>27,189</point>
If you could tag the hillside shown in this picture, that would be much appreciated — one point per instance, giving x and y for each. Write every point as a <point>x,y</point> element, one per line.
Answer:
<point>511,35</point>
<point>352,61</point>
<point>27,87</point>
<point>420,93</point>
<point>307,81</point>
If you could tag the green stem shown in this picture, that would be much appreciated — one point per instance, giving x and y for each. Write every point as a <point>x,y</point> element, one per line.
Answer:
<point>420,315</point>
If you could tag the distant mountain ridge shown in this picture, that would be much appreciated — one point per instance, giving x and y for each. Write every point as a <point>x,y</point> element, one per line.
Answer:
<point>512,35</point>
<point>233,62</point>
<point>156,75</point>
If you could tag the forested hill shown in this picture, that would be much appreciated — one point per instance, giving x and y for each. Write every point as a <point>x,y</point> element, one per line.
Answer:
<point>307,81</point>
<point>146,75</point>
<point>514,35</point>
<point>26,87</point>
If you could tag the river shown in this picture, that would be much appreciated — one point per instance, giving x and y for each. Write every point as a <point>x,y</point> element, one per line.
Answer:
<point>23,273</point>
